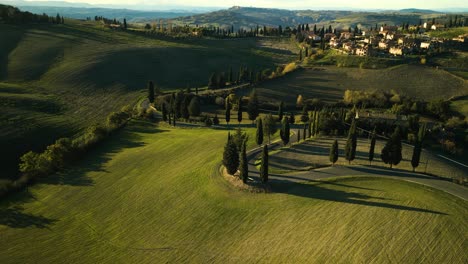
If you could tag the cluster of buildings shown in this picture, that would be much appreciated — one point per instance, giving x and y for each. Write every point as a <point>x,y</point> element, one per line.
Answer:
<point>386,41</point>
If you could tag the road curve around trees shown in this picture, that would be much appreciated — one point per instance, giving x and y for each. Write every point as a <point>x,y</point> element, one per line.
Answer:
<point>354,170</point>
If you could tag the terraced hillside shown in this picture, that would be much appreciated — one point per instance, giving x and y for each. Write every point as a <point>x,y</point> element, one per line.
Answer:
<point>56,79</point>
<point>153,194</point>
<point>329,83</point>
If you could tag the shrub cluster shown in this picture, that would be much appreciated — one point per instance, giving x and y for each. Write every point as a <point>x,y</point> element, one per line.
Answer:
<point>35,165</point>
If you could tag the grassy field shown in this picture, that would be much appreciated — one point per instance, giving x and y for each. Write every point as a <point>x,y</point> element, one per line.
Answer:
<point>461,106</point>
<point>315,154</point>
<point>57,79</point>
<point>147,196</point>
<point>449,33</point>
<point>328,83</point>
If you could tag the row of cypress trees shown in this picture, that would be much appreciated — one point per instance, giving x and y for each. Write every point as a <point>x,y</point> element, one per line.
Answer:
<point>391,153</point>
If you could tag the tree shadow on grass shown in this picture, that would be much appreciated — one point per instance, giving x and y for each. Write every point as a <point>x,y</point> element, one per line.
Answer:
<point>15,217</point>
<point>94,161</point>
<point>12,215</point>
<point>385,171</point>
<point>318,191</point>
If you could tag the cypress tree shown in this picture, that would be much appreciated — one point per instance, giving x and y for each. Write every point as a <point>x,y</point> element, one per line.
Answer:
<point>184,108</point>
<point>125,23</point>
<point>231,156</point>
<point>252,106</point>
<point>285,131</point>
<point>372,147</point>
<point>309,128</point>
<point>334,152</point>
<point>292,118</point>
<point>151,92</point>
<point>305,114</point>
<point>304,132</point>
<point>298,136</point>
<point>216,120</point>
<point>300,55</point>
<point>164,112</point>
<point>351,143</point>
<point>264,166</point>
<point>212,81</point>
<point>415,160</point>
<point>280,111</point>
<point>194,107</point>
<point>239,110</point>
<point>244,165</point>
<point>259,133</point>
<point>228,111</point>
<point>269,126</point>
<point>416,155</point>
<point>391,152</point>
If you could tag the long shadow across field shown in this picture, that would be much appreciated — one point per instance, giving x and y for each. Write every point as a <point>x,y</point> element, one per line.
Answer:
<point>77,174</point>
<point>13,215</point>
<point>318,191</point>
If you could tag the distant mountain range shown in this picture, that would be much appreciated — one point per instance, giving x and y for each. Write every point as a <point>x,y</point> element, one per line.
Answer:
<point>239,17</point>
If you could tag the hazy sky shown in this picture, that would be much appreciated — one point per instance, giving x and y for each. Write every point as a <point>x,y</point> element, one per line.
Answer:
<point>291,4</point>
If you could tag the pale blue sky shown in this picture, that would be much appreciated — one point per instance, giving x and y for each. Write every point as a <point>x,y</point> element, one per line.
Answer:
<point>290,4</point>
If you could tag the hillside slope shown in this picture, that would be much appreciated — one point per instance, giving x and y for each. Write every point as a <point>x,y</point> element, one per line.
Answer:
<point>57,79</point>
<point>147,197</point>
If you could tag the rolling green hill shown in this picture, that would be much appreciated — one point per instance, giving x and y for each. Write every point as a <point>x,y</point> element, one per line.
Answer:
<point>329,83</point>
<point>250,17</point>
<point>57,79</point>
<point>146,196</point>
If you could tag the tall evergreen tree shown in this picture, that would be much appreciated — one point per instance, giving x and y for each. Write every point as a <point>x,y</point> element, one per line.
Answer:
<point>259,133</point>
<point>280,111</point>
<point>351,143</point>
<point>285,131</point>
<point>231,156</point>
<point>212,82</point>
<point>264,166</point>
<point>125,24</point>
<point>391,152</point>
<point>298,135</point>
<point>372,147</point>
<point>244,165</point>
<point>334,152</point>
<point>239,110</point>
<point>164,112</point>
<point>304,132</point>
<point>415,160</point>
<point>151,92</point>
<point>228,111</point>
<point>309,128</point>
<point>184,108</point>
<point>305,114</point>
<point>194,107</point>
<point>292,118</point>
<point>269,126</point>
<point>252,106</point>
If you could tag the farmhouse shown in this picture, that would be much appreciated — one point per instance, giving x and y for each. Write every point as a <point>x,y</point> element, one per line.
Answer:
<point>313,37</point>
<point>346,35</point>
<point>425,45</point>
<point>383,45</point>
<point>437,27</point>
<point>397,51</point>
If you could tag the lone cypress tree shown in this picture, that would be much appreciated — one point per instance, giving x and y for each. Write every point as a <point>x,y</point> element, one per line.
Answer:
<point>231,156</point>
<point>351,143</point>
<point>239,110</point>
<point>244,165</point>
<point>418,148</point>
<point>259,135</point>
<point>292,118</point>
<point>304,132</point>
<point>252,106</point>
<point>228,110</point>
<point>280,111</point>
<point>125,24</point>
<point>264,166</point>
<point>334,152</point>
<point>151,92</point>
<point>391,152</point>
<point>372,147</point>
<point>285,131</point>
<point>164,112</point>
